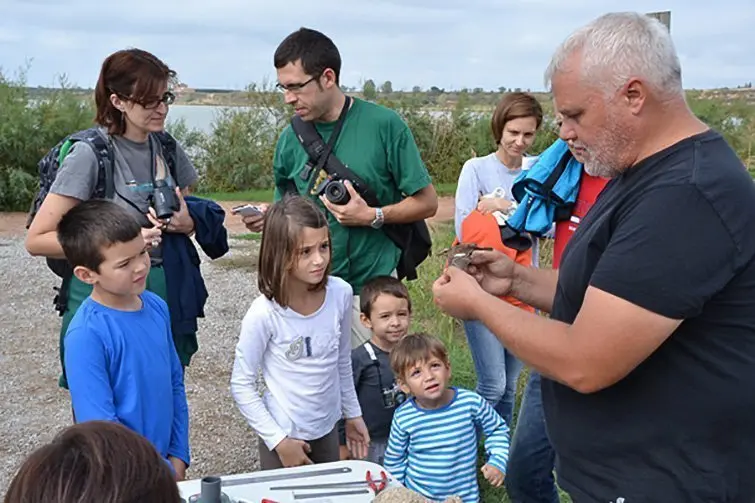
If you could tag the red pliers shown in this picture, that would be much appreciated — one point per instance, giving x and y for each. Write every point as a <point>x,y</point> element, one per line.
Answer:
<point>377,485</point>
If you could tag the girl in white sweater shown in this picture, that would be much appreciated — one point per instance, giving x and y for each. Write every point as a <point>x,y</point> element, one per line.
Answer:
<point>298,332</point>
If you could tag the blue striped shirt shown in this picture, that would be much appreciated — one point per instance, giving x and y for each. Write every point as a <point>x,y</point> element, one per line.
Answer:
<point>434,452</point>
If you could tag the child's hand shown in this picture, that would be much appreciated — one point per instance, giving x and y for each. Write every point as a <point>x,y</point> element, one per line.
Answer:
<point>492,475</point>
<point>293,452</point>
<point>357,437</point>
<point>179,466</point>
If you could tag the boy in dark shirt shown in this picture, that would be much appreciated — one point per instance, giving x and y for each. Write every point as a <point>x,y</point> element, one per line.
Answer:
<point>386,311</point>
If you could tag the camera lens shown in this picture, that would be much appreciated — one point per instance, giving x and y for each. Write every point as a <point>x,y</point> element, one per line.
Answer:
<point>336,192</point>
<point>400,397</point>
<point>388,399</point>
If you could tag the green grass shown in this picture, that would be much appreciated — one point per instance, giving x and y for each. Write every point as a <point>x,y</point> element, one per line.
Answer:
<point>249,236</point>
<point>257,196</point>
<point>446,189</point>
<point>266,195</point>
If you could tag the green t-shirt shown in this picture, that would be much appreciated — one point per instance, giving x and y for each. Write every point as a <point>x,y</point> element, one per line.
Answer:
<point>378,146</point>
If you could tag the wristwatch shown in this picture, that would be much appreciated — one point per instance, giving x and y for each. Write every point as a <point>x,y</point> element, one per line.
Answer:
<point>379,219</point>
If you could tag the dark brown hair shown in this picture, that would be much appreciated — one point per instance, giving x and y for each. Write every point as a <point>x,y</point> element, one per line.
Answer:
<point>281,238</point>
<point>314,49</point>
<point>131,74</point>
<point>415,348</point>
<point>514,106</point>
<point>382,285</point>
<point>90,227</point>
<point>94,461</point>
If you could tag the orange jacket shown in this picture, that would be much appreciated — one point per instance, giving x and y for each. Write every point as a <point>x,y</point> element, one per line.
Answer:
<point>483,230</point>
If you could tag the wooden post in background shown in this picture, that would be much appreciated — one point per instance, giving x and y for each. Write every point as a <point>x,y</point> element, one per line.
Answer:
<point>662,16</point>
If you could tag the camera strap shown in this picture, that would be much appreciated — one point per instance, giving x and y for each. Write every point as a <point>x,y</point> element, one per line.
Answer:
<point>317,150</point>
<point>371,351</point>
<point>413,239</point>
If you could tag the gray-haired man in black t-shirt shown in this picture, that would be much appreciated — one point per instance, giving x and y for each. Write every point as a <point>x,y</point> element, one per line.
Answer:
<point>649,356</point>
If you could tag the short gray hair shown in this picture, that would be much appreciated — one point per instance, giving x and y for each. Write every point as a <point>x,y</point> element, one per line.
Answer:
<point>621,45</point>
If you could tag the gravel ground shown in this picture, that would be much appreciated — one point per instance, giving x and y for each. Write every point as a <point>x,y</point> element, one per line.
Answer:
<point>32,407</point>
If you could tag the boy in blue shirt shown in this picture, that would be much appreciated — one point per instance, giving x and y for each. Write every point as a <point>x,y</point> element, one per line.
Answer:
<point>432,448</point>
<point>120,359</point>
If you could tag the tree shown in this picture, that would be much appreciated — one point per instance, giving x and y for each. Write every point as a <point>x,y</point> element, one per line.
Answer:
<point>416,89</point>
<point>369,91</point>
<point>387,87</point>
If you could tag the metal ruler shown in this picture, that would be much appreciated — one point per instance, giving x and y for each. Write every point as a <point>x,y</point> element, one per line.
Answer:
<point>329,485</point>
<point>284,476</point>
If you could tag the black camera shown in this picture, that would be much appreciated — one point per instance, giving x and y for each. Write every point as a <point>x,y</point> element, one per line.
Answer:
<point>334,191</point>
<point>164,199</point>
<point>393,397</point>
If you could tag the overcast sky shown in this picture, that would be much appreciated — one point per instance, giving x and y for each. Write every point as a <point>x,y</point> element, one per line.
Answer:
<point>446,43</point>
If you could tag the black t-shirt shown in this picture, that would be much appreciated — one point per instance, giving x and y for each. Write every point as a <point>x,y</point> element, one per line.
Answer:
<point>675,235</point>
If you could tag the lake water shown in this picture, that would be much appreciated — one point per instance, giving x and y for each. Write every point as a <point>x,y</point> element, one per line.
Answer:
<point>201,117</point>
<point>196,116</point>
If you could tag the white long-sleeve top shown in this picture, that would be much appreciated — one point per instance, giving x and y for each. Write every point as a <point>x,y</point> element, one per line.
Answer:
<point>306,366</point>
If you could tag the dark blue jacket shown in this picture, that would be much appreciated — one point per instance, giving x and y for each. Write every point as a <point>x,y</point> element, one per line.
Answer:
<point>187,293</point>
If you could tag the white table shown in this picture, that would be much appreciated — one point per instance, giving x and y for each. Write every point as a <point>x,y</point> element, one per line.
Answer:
<point>247,488</point>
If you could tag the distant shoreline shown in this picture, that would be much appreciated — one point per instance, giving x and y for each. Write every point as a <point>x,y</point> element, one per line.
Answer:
<point>433,99</point>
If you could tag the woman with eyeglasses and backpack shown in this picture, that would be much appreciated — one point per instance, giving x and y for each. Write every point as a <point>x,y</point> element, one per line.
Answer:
<point>129,158</point>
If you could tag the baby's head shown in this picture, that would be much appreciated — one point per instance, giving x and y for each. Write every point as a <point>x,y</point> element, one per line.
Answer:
<point>386,310</point>
<point>421,366</point>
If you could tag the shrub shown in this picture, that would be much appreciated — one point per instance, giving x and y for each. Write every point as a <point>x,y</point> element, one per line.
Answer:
<point>237,154</point>
<point>29,127</point>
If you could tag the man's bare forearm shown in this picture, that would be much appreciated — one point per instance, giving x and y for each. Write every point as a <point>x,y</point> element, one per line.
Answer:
<point>421,205</point>
<point>535,287</point>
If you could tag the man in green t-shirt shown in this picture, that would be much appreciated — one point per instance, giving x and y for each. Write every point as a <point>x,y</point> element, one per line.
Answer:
<point>374,142</point>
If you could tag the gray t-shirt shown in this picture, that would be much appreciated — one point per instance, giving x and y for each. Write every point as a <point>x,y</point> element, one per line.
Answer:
<point>77,175</point>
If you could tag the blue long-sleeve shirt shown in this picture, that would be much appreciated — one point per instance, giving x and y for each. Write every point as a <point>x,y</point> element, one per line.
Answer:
<point>122,366</point>
<point>434,452</point>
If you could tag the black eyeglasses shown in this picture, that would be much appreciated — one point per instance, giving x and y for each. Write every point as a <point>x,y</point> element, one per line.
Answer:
<point>151,103</point>
<point>294,88</point>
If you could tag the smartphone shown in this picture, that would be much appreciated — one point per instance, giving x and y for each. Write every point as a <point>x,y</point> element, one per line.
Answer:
<point>246,210</point>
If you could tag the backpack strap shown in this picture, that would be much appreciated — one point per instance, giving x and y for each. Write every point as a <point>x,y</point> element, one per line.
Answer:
<point>101,144</point>
<point>169,150</point>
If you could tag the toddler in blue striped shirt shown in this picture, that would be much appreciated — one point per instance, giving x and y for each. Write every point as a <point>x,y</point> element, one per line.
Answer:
<point>432,447</point>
